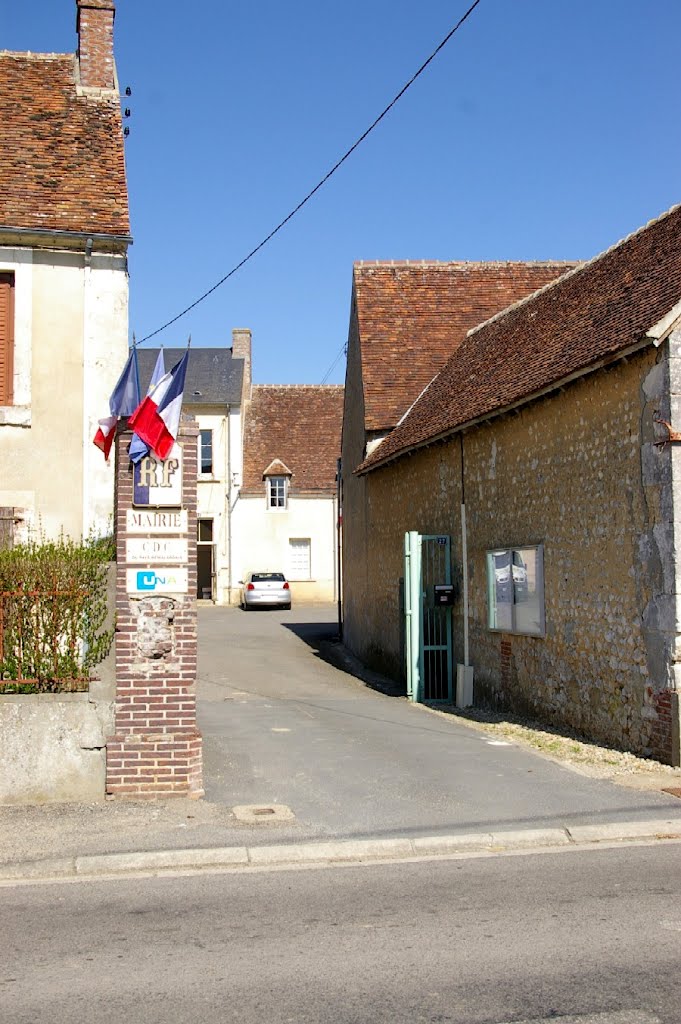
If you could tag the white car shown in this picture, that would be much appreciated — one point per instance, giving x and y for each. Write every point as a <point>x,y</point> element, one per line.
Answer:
<point>265,589</point>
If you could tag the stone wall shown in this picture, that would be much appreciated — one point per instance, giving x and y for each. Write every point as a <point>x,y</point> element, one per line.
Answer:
<point>577,472</point>
<point>53,747</point>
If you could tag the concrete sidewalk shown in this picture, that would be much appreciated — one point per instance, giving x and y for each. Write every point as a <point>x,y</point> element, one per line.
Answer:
<point>327,764</point>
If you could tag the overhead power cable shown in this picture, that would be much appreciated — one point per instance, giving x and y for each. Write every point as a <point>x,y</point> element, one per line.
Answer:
<point>343,350</point>
<point>323,181</point>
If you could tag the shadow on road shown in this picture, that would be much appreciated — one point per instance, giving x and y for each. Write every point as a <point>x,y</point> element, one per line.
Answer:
<point>324,640</point>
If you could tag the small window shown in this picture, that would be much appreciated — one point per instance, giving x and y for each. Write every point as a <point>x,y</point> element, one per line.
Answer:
<point>204,531</point>
<point>276,491</point>
<point>206,452</point>
<point>515,588</point>
<point>6,339</point>
<point>299,558</point>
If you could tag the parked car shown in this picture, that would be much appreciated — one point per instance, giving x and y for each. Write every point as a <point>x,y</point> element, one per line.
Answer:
<point>263,589</point>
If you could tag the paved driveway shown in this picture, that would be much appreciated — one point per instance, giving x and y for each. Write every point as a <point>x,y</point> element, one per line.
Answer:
<point>282,726</point>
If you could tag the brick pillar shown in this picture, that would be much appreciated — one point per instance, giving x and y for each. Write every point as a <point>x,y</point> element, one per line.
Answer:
<point>156,750</point>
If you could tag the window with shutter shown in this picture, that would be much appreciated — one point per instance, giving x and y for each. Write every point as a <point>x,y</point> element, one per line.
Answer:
<point>6,339</point>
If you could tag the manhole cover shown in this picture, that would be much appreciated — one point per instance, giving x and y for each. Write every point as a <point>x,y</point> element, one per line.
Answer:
<point>261,813</point>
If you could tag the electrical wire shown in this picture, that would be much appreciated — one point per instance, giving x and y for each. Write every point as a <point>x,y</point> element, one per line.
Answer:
<point>319,184</point>
<point>330,370</point>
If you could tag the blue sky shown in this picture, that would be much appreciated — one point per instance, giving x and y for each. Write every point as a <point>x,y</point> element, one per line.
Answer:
<point>544,130</point>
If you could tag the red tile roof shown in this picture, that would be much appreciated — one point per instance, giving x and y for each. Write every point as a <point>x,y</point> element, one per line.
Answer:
<point>592,314</point>
<point>412,317</point>
<point>62,166</point>
<point>298,425</point>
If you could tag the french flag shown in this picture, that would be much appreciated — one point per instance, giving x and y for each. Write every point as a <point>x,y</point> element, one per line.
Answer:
<point>139,449</point>
<point>124,399</point>
<point>157,419</point>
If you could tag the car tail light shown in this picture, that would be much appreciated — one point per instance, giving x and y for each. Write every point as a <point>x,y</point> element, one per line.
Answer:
<point>285,587</point>
<point>250,587</point>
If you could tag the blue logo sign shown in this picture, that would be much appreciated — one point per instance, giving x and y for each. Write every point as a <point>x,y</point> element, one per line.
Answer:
<point>149,580</point>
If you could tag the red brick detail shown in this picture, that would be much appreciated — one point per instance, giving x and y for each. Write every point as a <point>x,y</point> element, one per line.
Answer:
<point>661,732</point>
<point>506,655</point>
<point>156,750</point>
<point>95,43</point>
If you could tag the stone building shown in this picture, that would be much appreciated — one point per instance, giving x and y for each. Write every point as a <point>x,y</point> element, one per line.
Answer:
<point>406,320</point>
<point>285,518</point>
<point>547,449</point>
<point>64,234</point>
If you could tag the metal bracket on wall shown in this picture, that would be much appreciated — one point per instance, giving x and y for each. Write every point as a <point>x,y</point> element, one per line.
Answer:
<point>672,435</point>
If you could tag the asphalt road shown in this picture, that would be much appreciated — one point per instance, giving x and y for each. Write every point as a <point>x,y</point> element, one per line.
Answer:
<point>582,938</point>
<point>280,725</point>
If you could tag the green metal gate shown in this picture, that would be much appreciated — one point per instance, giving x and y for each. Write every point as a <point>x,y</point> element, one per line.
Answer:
<point>428,626</point>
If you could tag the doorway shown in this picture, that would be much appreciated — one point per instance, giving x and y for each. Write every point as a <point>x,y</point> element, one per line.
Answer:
<point>205,560</point>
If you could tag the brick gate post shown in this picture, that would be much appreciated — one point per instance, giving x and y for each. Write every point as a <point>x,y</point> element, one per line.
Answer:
<point>156,750</point>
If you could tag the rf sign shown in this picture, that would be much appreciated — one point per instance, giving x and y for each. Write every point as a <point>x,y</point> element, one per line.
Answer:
<point>157,484</point>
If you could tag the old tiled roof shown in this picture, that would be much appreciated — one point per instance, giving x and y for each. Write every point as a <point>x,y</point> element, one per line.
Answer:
<point>214,377</point>
<point>299,425</point>
<point>62,166</point>
<point>592,314</point>
<point>412,317</point>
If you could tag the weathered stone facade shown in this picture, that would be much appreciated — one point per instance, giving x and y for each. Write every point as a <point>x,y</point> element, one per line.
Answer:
<point>578,472</point>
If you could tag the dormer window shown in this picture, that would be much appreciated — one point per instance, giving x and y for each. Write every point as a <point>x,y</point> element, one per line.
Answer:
<point>277,478</point>
<point>276,491</point>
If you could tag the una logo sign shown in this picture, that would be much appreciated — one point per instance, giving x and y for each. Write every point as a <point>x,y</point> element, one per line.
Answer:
<point>158,484</point>
<point>157,581</point>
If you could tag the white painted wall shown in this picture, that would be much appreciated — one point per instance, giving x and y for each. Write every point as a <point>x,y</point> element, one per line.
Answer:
<point>215,492</point>
<point>260,541</point>
<point>71,337</point>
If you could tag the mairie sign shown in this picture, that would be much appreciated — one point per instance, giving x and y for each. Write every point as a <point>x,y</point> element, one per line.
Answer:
<point>159,580</point>
<point>141,521</point>
<point>157,484</point>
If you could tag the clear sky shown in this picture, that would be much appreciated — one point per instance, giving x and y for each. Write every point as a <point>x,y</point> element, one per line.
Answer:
<point>544,130</point>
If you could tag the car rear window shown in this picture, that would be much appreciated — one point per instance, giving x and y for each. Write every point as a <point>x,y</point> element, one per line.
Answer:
<point>260,577</point>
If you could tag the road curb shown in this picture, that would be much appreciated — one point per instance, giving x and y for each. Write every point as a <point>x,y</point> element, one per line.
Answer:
<point>337,852</point>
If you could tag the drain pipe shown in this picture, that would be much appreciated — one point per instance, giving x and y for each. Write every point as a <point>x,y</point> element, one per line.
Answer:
<point>464,673</point>
<point>464,558</point>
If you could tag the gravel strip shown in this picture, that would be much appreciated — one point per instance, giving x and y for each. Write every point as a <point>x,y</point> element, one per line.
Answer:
<point>567,747</point>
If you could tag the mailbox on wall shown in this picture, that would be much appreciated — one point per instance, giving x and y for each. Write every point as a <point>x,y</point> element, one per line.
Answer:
<point>444,594</point>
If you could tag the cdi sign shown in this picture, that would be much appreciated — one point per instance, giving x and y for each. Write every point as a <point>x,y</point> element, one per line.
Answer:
<point>158,484</point>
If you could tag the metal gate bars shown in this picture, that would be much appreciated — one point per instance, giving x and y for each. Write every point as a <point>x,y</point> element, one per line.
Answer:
<point>428,620</point>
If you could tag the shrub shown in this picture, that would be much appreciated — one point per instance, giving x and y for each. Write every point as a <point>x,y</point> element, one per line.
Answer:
<point>53,613</point>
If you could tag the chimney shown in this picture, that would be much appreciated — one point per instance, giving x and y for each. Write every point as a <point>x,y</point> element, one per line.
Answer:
<point>241,349</point>
<point>95,43</point>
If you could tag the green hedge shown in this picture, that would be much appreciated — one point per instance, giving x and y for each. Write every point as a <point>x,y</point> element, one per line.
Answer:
<point>53,603</point>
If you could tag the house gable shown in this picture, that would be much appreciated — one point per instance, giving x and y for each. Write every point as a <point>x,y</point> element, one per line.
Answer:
<point>299,426</point>
<point>412,316</point>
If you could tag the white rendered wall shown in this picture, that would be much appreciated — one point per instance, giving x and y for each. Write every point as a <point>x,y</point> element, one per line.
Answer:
<point>71,325</point>
<point>260,541</point>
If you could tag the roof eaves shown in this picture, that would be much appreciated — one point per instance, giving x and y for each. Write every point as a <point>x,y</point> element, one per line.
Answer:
<point>579,269</point>
<point>659,331</point>
<point>375,462</point>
